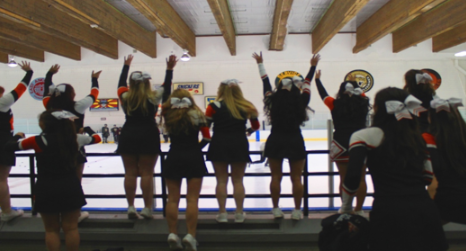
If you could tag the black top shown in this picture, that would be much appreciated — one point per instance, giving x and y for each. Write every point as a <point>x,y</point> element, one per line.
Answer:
<point>223,121</point>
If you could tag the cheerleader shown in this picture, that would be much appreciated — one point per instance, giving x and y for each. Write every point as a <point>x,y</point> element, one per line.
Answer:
<point>59,195</point>
<point>230,146</point>
<point>7,158</point>
<point>403,217</point>
<point>447,140</point>
<point>183,121</point>
<point>286,109</point>
<point>139,142</point>
<point>419,84</point>
<point>349,113</point>
<point>62,97</point>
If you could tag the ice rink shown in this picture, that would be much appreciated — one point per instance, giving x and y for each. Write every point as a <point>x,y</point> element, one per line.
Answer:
<point>253,185</point>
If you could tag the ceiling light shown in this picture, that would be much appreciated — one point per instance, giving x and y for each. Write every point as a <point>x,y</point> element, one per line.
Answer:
<point>94,26</point>
<point>460,54</point>
<point>185,57</point>
<point>12,63</point>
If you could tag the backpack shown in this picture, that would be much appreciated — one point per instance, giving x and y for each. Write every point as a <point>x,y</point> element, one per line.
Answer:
<point>344,232</point>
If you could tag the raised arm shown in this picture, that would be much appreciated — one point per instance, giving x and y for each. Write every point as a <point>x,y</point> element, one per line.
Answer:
<point>93,137</point>
<point>122,84</point>
<point>47,83</point>
<point>328,101</point>
<point>306,94</point>
<point>267,87</point>
<point>82,105</point>
<point>167,83</point>
<point>7,100</point>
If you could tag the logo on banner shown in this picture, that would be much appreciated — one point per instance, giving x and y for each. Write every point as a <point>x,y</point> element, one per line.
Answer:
<point>287,74</point>
<point>36,88</point>
<point>196,88</point>
<point>105,104</point>
<point>364,79</point>
<point>436,78</point>
<point>208,100</point>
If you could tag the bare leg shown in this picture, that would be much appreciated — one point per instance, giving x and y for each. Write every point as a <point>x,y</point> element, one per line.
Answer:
<point>237,173</point>
<point>4,189</point>
<point>192,209</point>
<point>275,183</point>
<point>362,190</point>
<point>130,162</point>
<point>52,230</point>
<point>432,188</point>
<point>173,202</point>
<point>146,170</point>
<point>221,173</point>
<point>296,172</point>
<point>69,223</point>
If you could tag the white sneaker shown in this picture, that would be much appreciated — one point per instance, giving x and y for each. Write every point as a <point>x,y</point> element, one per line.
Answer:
<point>132,214</point>
<point>360,213</point>
<point>190,243</point>
<point>222,217</point>
<point>296,214</point>
<point>240,217</point>
<point>13,214</point>
<point>84,215</point>
<point>146,213</point>
<point>174,242</point>
<point>277,213</point>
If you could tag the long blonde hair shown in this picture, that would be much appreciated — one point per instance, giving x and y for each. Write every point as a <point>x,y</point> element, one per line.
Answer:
<point>138,94</point>
<point>235,102</point>
<point>178,120</point>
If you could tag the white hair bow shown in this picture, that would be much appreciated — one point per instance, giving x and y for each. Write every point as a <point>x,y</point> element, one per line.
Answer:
<point>444,105</point>
<point>57,90</point>
<point>297,81</point>
<point>230,82</point>
<point>404,110</point>
<point>349,89</point>
<point>180,103</point>
<point>286,83</point>
<point>140,76</point>
<point>423,78</point>
<point>64,115</point>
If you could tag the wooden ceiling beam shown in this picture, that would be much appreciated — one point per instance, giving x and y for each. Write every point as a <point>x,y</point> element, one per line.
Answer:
<point>280,19</point>
<point>449,39</point>
<point>167,21</point>
<point>15,49</point>
<point>222,15</point>
<point>25,35</point>
<point>390,17</point>
<point>440,19</point>
<point>59,24</point>
<point>336,17</point>
<point>110,21</point>
<point>3,58</point>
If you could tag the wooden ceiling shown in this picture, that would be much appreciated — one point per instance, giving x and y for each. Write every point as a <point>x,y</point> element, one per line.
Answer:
<point>28,28</point>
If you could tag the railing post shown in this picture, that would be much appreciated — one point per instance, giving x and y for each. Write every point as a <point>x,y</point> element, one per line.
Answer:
<point>331,178</point>
<point>306,188</point>
<point>164,186</point>
<point>32,181</point>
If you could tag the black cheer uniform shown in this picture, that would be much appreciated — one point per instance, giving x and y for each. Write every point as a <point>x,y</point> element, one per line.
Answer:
<point>185,158</point>
<point>7,158</point>
<point>229,141</point>
<point>287,141</point>
<point>140,134</point>
<point>403,216</point>
<point>78,108</point>
<point>57,188</point>
<point>344,124</point>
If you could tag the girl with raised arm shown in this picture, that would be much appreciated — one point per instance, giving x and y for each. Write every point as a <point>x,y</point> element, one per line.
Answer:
<point>139,142</point>
<point>230,146</point>
<point>59,195</point>
<point>403,217</point>
<point>7,158</point>
<point>183,121</point>
<point>349,113</point>
<point>286,108</point>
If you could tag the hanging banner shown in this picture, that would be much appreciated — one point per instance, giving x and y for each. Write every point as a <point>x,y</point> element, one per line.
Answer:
<point>195,88</point>
<point>287,74</point>
<point>36,88</point>
<point>208,100</point>
<point>364,79</point>
<point>105,104</point>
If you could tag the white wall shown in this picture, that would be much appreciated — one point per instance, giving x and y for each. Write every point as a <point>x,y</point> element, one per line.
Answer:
<point>214,64</point>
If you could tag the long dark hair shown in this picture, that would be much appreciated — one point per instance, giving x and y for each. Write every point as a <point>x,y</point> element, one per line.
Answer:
<point>449,130</point>
<point>285,108</point>
<point>65,132</point>
<point>423,91</point>
<point>403,142</point>
<point>354,106</point>
<point>61,101</point>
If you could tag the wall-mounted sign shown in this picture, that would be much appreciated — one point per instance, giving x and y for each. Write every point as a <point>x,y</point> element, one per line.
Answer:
<point>436,78</point>
<point>364,79</point>
<point>105,104</point>
<point>36,88</point>
<point>208,100</point>
<point>195,88</point>
<point>287,74</point>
